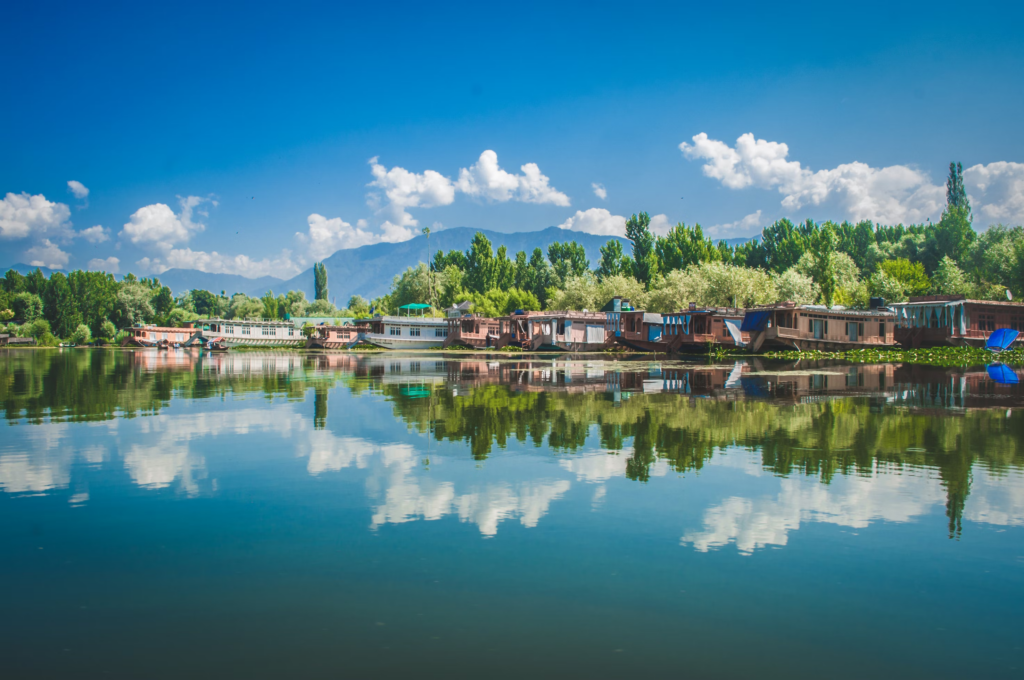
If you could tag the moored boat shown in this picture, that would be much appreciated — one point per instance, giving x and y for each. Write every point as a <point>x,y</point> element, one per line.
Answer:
<point>407,332</point>
<point>788,326</point>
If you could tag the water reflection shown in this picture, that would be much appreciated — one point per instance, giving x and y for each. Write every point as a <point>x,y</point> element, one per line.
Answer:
<point>498,440</point>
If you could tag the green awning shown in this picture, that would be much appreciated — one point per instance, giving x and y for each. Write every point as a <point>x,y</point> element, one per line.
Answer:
<point>415,305</point>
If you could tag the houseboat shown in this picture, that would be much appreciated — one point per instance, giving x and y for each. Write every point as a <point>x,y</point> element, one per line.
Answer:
<point>555,331</point>
<point>345,336</point>
<point>688,331</point>
<point>236,332</point>
<point>788,326</point>
<point>158,336</point>
<point>474,331</point>
<point>407,332</point>
<point>953,320</point>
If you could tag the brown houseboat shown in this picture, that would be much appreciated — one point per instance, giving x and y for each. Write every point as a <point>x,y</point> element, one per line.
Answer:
<point>471,330</point>
<point>953,320</point>
<point>337,337</point>
<point>789,326</point>
<point>555,331</point>
<point>683,332</point>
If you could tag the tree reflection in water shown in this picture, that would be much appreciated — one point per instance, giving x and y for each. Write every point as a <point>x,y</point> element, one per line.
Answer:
<point>811,419</point>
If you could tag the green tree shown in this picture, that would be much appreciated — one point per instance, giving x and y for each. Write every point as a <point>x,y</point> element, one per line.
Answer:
<point>35,282</point>
<point>910,275</point>
<point>270,305</point>
<point>81,335</point>
<point>824,274</point>
<point>684,245</point>
<point>132,304</point>
<point>480,274</point>
<point>108,330</point>
<point>14,282</point>
<point>163,300</point>
<point>320,281</point>
<point>59,306</point>
<point>205,302</point>
<point>956,194</point>
<point>645,263</point>
<point>27,306</point>
<point>949,279</point>
<point>504,270</point>
<point>614,261</point>
<point>358,306</point>
<point>567,259</point>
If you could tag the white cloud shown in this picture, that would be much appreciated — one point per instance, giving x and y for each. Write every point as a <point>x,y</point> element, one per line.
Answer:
<point>600,191</point>
<point>111,265</point>
<point>46,254</point>
<point>404,189</point>
<point>97,234</point>
<point>329,235</point>
<point>997,191</point>
<point>485,179</point>
<point>894,194</point>
<point>596,221</point>
<point>78,189</point>
<point>749,225</point>
<point>216,263</point>
<point>660,225</point>
<point>157,226</point>
<point>23,215</point>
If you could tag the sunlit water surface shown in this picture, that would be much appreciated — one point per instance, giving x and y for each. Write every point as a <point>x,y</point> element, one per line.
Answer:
<point>168,515</point>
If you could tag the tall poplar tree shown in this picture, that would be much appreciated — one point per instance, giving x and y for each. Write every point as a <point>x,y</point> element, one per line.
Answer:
<point>320,281</point>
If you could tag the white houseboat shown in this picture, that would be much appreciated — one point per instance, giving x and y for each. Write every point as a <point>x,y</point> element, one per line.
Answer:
<point>235,332</point>
<point>407,332</point>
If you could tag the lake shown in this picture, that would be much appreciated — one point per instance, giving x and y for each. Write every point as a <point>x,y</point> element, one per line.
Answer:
<point>170,514</point>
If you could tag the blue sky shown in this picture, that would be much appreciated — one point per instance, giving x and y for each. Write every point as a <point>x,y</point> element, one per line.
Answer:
<point>238,138</point>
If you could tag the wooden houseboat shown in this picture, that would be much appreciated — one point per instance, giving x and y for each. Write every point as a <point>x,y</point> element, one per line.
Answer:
<point>236,332</point>
<point>337,337</point>
<point>473,331</point>
<point>953,320</point>
<point>688,331</point>
<point>156,336</point>
<point>555,331</point>
<point>408,332</point>
<point>788,326</point>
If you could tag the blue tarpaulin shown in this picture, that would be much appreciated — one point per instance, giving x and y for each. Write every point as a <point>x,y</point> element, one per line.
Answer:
<point>1002,374</point>
<point>1001,339</point>
<point>755,321</point>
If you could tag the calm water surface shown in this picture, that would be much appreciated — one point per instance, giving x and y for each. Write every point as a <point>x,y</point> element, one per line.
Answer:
<point>281,515</point>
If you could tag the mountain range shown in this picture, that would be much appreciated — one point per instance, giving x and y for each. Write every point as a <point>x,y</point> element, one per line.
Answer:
<point>369,270</point>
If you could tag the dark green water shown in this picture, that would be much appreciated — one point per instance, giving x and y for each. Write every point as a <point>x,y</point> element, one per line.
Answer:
<point>270,515</point>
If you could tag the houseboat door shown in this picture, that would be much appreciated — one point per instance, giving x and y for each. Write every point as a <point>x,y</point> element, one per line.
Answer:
<point>852,329</point>
<point>818,325</point>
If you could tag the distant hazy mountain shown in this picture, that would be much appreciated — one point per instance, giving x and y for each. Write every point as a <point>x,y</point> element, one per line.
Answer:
<point>180,280</point>
<point>25,269</point>
<point>369,270</point>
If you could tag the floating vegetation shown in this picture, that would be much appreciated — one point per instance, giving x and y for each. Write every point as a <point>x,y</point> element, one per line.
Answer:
<point>935,356</point>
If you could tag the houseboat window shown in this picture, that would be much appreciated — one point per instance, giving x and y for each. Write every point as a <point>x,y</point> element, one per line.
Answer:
<point>394,330</point>
<point>986,322</point>
<point>1015,323</point>
<point>245,330</point>
<point>414,332</point>
<point>881,328</point>
<point>291,331</point>
<point>561,327</point>
<point>440,332</point>
<point>860,329</point>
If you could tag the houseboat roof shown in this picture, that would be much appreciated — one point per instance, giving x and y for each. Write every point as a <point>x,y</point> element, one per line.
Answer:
<point>265,322</point>
<point>822,309</point>
<point>570,314</point>
<point>413,320</point>
<point>932,300</point>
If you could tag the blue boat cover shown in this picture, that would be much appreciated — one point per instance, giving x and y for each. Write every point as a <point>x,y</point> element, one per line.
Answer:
<point>1001,338</point>
<point>1002,374</point>
<point>755,321</point>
